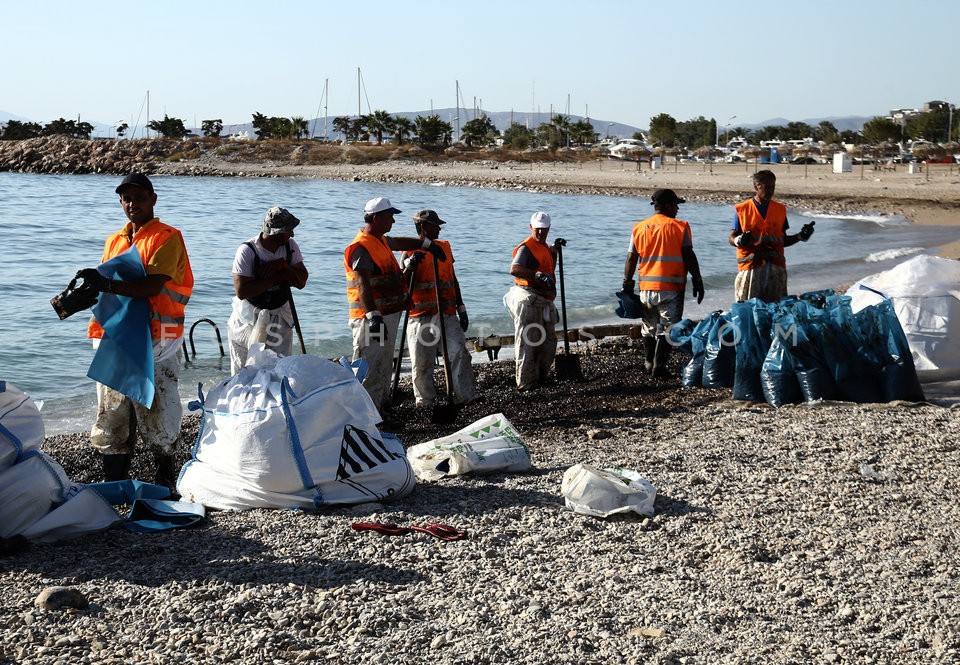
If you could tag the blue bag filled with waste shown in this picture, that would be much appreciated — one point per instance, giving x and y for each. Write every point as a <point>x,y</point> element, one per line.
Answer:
<point>690,337</point>
<point>881,327</point>
<point>810,348</point>
<point>719,356</point>
<point>778,376</point>
<point>857,367</point>
<point>751,321</point>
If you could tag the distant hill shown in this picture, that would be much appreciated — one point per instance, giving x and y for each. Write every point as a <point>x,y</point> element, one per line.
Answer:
<point>500,119</point>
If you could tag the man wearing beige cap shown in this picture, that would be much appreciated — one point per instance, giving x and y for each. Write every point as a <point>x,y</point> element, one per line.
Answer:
<point>376,294</point>
<point>423,330</point>
<point>530,303</point>
<point>264,269</point>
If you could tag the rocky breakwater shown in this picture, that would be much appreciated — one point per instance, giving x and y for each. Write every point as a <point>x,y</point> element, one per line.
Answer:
<point>63,154</point>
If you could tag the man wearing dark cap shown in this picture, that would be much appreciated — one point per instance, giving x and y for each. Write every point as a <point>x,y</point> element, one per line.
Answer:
<point>759,232</point>
<point>423,329</point>
<point>661,251</point>
<point>376,294</point>
<point>264,269</point>
<point>166,287</point>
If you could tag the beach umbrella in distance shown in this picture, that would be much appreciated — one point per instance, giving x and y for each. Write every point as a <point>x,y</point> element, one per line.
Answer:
<point>861,152</point>
<point>805,152</point>
<point>707,153</point>
<point>751,152</point>
<point>675,153</point>
<point>602,152</point>
<point>926,151</point>
<point>640,154</point>
<point>952,148</point>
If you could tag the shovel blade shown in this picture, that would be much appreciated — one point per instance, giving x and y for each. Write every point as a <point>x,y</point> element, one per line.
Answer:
<point>444,414</point>
<point>568,368</point>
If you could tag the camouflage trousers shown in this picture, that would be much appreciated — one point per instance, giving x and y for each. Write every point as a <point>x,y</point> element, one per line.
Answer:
<point>119,418</point>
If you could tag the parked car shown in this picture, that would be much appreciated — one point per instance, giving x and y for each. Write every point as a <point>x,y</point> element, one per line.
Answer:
<point>804,160</point>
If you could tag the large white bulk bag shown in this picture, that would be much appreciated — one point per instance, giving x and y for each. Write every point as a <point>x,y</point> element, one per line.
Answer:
<point>28,490</point>
<point>301,434</point>
<point>925,292</point>
<point>21,427</point>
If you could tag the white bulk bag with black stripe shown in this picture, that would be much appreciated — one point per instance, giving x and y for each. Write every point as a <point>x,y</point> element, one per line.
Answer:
<point>300,434</point>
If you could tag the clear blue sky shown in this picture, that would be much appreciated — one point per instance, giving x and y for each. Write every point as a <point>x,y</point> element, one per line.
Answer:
<point>621,61</point>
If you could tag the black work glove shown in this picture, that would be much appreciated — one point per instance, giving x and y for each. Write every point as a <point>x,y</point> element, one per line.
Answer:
<point>377,327</point>
<point>437,252</point>
<point>92,277</point>
<point>545,278</point>
<point>628,285</point>
<point>806,231</point>
<point>559,242</point>
<point>698,289</point>
<point>745,239</point>
<point>464,320</point>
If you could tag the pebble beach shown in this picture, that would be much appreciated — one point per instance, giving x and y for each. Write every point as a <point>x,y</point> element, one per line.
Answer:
<point>813,533</point>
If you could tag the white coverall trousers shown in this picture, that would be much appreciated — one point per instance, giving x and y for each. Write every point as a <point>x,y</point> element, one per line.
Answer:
<point>248,324</point>
<point>535,335</point>
<point>378,352</point>
<point>423,340</point>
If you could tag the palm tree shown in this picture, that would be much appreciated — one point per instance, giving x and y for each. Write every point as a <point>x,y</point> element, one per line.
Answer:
<point>379,122</point>
<point>562,125</point>
<point>300,127</point>
<point>402,128</point>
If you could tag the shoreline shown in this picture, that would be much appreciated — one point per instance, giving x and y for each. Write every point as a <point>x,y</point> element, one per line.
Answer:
<point>922,199</point>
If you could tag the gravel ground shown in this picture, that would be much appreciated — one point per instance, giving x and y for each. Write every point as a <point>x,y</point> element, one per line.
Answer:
<point>814,533</point>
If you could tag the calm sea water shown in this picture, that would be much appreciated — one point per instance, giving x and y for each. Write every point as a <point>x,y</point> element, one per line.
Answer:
<point>55,225</point>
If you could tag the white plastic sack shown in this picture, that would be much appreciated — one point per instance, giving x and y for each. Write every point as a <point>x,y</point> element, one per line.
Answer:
<point>490,444</point>
<point>299,435</point>
<point>21,427</point>
<point>603,492</point>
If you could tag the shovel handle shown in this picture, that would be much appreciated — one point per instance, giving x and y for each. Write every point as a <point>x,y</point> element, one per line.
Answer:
<point>563,300</point>
<point>443,331</point>
<point>296,321</point>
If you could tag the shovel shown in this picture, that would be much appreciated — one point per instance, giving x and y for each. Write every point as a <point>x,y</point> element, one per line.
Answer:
<point>296,322</point>
<point>443,413</point>
<point>403,336</point>
<point>568,366</point>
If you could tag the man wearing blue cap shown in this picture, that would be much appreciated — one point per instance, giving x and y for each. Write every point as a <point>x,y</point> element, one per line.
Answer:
<point>377,294</point>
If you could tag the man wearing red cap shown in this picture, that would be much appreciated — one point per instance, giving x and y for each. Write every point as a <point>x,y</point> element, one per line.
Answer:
<point>661,251</point>
<point>376,294</point>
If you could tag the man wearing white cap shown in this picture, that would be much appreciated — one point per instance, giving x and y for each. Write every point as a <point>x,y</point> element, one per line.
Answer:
<point>264,269</point>
<point>530,303</point>
<point>376,293</point>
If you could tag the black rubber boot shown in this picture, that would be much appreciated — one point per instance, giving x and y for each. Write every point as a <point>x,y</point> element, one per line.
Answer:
<point>166,472</point>
<point>660,355</point>
<point>116,467</point>
<point>649,349</point>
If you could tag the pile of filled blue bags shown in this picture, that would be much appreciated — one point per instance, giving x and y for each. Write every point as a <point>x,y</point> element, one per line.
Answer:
<point>801,349</point>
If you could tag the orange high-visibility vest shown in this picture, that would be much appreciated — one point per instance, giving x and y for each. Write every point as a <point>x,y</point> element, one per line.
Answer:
<point>768,234</point>
<point>424,296</point>
<point>167,307</point>
<point>658,241</point>
<point>389,291</point>
<point>545,262</point>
